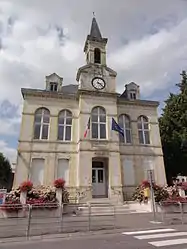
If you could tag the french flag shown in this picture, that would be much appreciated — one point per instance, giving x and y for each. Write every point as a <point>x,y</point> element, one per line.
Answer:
<point>87,128</point>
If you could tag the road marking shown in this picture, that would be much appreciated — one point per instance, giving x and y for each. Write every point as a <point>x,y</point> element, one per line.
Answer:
<point>149,231</point>
<point>162,235</point>
<point>168,242</point>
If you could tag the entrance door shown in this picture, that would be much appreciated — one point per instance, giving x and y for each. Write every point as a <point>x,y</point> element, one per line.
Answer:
<point>98,180</point>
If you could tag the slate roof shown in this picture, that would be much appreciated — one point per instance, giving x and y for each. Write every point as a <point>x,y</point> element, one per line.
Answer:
<point>95,32</point>
<point>71,89</point>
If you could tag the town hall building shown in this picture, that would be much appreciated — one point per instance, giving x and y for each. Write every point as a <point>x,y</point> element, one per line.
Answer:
<point>101,142</point>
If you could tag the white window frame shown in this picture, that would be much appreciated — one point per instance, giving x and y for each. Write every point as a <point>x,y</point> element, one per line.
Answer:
<point>126,117</point>
<point>42,123</point>
<point>64,125</point>
<point>99,122</point>
<point>141,120</point>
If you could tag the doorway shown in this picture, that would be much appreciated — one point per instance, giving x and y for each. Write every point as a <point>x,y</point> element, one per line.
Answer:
<point>99,179</point>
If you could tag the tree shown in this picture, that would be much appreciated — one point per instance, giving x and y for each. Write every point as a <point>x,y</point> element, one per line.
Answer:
<point>5,172</point>
<point>173,130</point>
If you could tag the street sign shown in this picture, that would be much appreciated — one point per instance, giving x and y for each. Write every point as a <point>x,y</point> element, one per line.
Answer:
<point>3,193</point>
<point>151,176</point>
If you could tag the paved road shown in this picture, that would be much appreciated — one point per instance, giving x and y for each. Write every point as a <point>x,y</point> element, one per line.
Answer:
<point>165,238</point>
<point>18,227</point>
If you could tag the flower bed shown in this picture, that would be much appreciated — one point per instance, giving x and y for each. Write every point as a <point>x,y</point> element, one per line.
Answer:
<point>40,197</point>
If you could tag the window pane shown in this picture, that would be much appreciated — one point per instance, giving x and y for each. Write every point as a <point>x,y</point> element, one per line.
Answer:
<point>139,125</point>
<point>95,111</point>
<point>94,130</point>
<point>146,126</point>
<point>141,140</point>
<point>93,176</point>
<point>60,132</point>
<point>102,131</point>
<point>46,118</point>
<point>37,118</point>
<point>61,120</point>
<point>127,123</point>
<point>46,112</point>
<point>121,138</point>
<point>68,114</point>
<point>39,111</point>
<point>94,118</point>
<point>100,176</point>
<point>45,132</point>
<point>101,111</point>
<point>147,140</point>
<point>120,121</point>
<point>68,133</point>
<point>37,131</point>
<point>102,118</point>
<point>128,136</point>
<point>69,121</point>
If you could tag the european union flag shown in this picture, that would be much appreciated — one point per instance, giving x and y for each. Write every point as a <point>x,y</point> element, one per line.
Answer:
<point>116,127</point>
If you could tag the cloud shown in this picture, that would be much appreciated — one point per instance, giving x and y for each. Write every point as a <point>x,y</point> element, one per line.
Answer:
<point>151,61</point>
<point>8,152</point>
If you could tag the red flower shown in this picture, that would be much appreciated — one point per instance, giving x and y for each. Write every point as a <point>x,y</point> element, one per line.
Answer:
<point>59,183</point>
<point>26,186</point>
<point>145,184</point>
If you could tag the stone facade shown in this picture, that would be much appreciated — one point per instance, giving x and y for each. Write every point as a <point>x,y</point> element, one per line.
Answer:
<point>99,163</point>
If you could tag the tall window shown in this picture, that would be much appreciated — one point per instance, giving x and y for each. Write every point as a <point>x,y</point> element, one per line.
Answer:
<point>125,124</point>
<point>37,171</point>
<point>64,125</point>
<point>98,118</point>
<point>63,170</point>
<point>97,55</point>
<point>143,130</point>
<point>41,123</point>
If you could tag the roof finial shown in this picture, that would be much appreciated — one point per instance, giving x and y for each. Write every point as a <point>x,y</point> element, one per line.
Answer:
<point>93,14</point>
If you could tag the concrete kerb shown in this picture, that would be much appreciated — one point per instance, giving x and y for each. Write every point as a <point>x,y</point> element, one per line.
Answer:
<point>73,235</point>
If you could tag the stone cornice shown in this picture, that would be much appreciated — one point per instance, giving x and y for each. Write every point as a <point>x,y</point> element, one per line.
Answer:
<point>28,92</point>
<point>137,102</point>
<point>90,65</point>
<point>97,93</point>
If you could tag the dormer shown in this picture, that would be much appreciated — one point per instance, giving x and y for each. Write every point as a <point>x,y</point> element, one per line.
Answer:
<point>53,82</point>
<point>132,91</point>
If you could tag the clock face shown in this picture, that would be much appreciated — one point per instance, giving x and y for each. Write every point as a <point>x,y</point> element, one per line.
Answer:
<point>98,83</point>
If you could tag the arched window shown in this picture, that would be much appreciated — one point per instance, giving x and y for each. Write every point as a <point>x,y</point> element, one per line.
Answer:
<point>125,124</point>
<point>97,55</point>
<point>98,120</point>
<point>41,123</point>
<point>143,130</point>
<point>64,125</point>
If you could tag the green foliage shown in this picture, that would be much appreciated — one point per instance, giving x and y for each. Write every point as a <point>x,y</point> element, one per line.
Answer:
<point>5,172</point>
<point>173,130</point>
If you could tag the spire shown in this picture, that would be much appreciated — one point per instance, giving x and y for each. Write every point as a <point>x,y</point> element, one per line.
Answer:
<point>95,32</point>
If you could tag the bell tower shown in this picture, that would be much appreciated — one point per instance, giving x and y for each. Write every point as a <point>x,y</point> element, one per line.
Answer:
<point>95,45</point>
<point>95,75</point>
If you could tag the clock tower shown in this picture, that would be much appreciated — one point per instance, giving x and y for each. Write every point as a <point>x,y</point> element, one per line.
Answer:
<point>96,75</point>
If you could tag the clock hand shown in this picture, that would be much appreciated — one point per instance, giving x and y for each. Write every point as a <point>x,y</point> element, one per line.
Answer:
<point>99,83</point>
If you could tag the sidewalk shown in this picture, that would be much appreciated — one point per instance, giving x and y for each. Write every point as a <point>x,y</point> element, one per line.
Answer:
<point>122,222</point>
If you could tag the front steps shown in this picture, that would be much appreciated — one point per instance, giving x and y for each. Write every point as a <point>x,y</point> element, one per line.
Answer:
<point>98,207</point>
